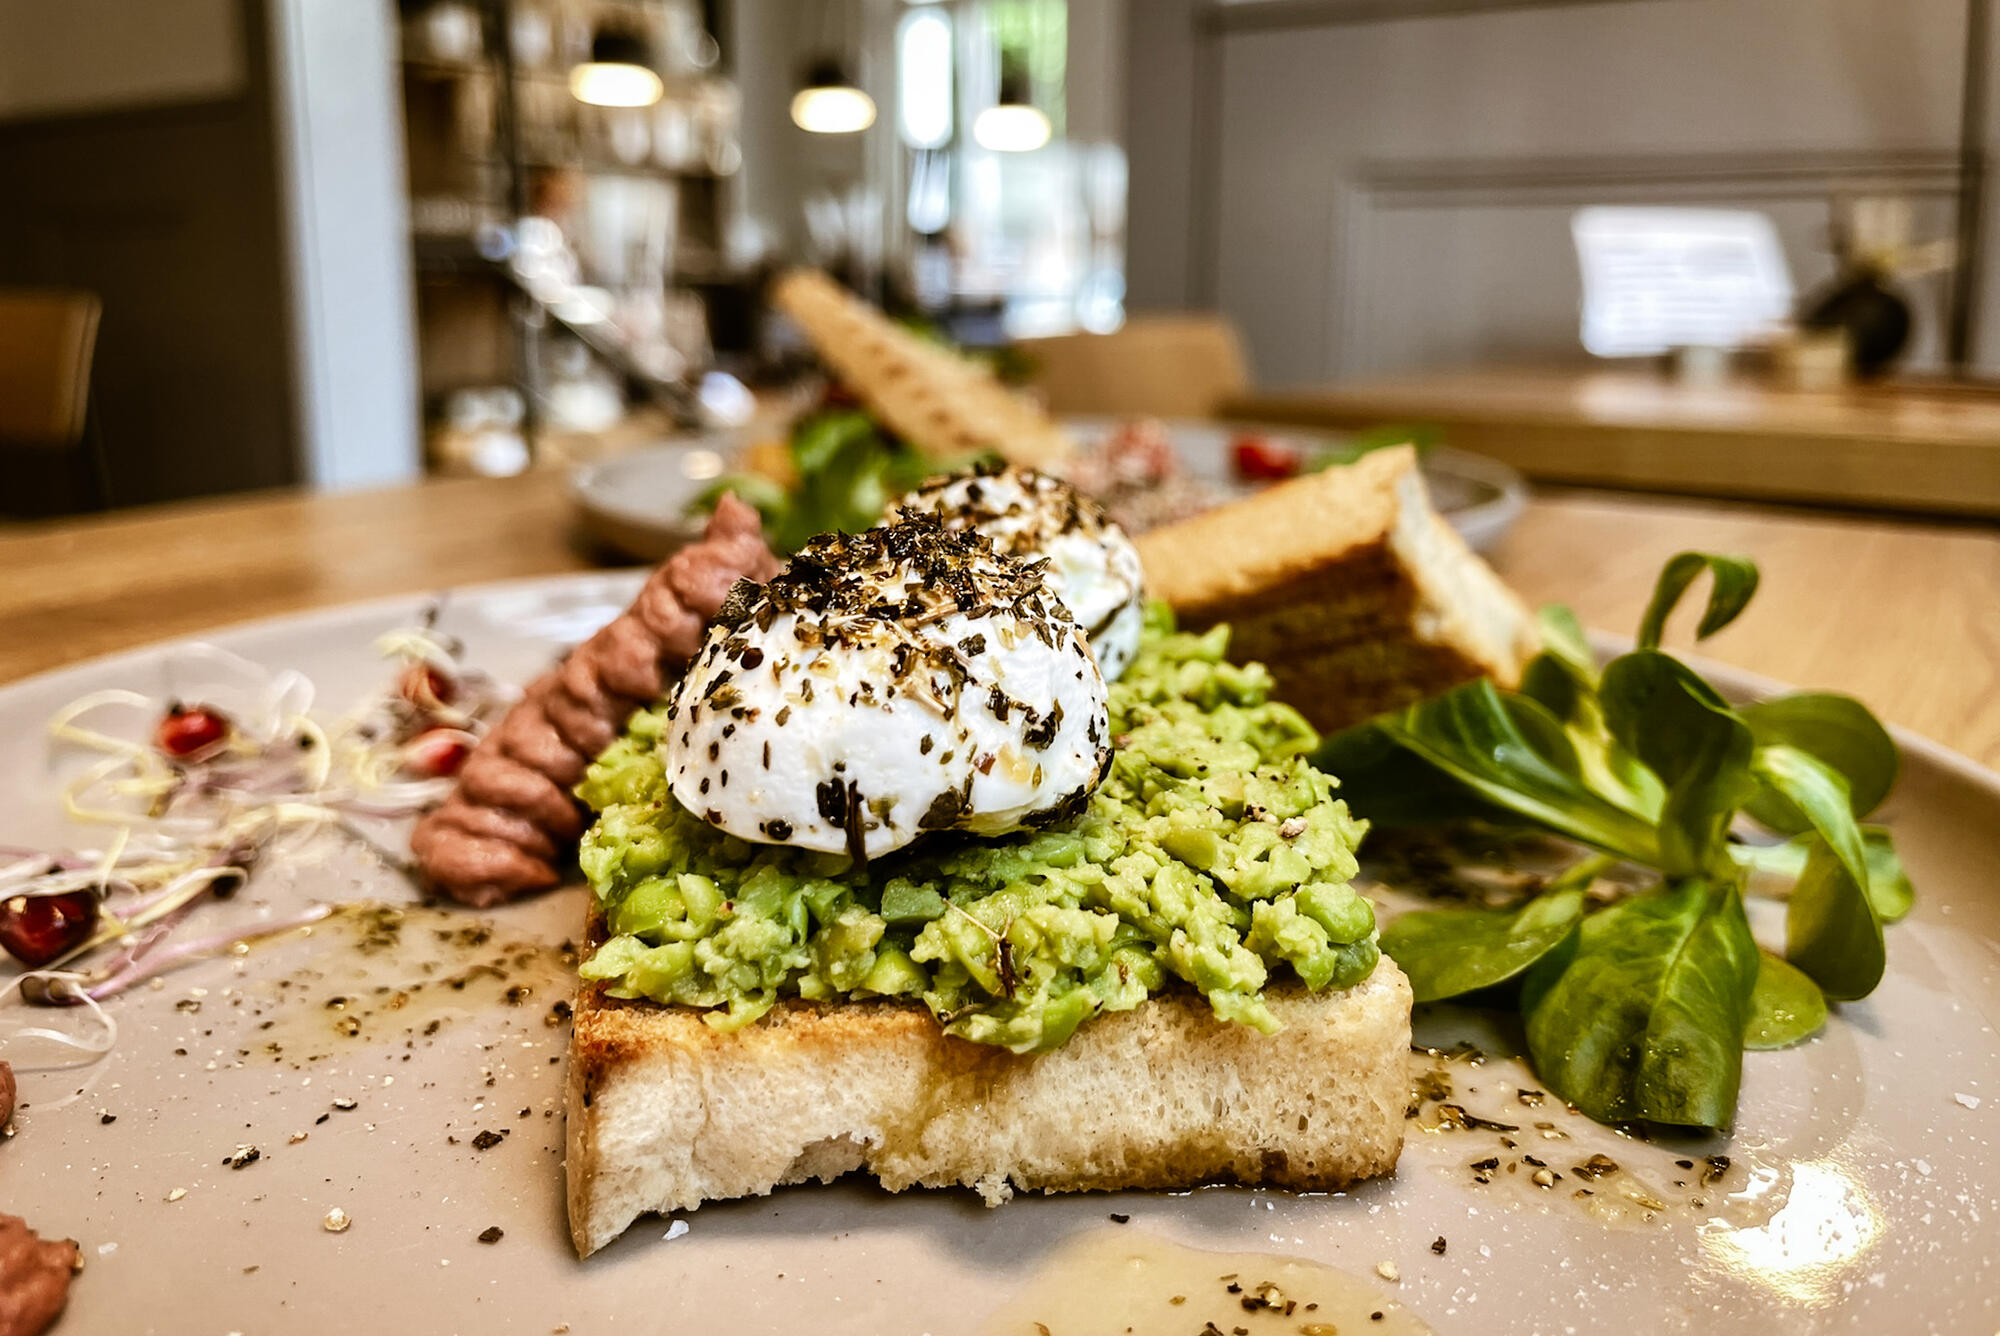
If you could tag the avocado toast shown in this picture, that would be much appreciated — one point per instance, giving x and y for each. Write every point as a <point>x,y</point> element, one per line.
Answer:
<point>1164,982</point>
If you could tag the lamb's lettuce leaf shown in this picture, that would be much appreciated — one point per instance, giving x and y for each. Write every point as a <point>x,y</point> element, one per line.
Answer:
<point>1642,1009</point>
<point>1837,730</point>
<point>1735,581</point>
<point>1889,888</point>
<point>1786,1007</point>
<point>1660,711</point>
<point>1503,750</point>
<point>1644,1017</point>
<point>1451,952</point>
<point>1832,931</point>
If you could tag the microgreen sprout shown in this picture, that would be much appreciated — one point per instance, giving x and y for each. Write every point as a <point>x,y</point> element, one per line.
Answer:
<point>199,787</point>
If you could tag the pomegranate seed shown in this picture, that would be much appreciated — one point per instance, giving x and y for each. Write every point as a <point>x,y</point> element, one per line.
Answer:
<point>191,732</point>
<point>1262,459</point>
<point>36,929</point>
<point>425,687</point>
<point>437,753</point>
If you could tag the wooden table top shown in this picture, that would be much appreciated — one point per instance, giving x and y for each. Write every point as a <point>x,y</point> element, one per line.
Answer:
<point>1904,615</point>
<point>1900,446</point>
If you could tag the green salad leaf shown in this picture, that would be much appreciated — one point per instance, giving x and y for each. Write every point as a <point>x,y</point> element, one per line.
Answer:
<point>1786,1007</point>
<point>847,470</point>
<point>1681,730</point>
<point>1642,1009</point>
<point>1838,731</point>
<point>1644,1018</point>
<point>1735,581</point>
<point>1832,931</point>
<point>1889,888</point>
<point>1503,750</point>
<point>1817,792</point>
<point>1456,951</point>
<point>1564,677</point>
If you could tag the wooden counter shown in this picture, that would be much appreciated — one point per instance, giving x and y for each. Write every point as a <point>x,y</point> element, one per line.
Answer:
<point>1906,616</point>
<point>1894,447</point>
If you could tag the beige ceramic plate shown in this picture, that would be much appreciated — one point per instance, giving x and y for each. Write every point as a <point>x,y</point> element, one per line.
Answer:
<point>1860,1194</point>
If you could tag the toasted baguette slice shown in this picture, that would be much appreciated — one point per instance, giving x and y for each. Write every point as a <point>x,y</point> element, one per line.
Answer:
<point>936,400</point>
<point>1349,586</point>
<point>665,1113</point>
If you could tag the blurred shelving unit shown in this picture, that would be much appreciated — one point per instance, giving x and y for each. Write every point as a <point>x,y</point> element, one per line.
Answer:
<point>560,247</point>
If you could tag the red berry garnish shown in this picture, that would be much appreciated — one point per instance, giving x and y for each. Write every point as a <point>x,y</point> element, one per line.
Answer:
<point>36,929</point>
<point>425,687</point>
<point>191,732</point>
<point>437,753</point>
<point>1261,459</point>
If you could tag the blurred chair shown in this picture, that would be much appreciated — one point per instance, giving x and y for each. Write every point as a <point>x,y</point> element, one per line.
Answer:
<point>47,341</point>
<point>1178,365</point>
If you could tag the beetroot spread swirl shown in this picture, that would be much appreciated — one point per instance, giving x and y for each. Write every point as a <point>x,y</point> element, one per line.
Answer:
<point>506,829</point>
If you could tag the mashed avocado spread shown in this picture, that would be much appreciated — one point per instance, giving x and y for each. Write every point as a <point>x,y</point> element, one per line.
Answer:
<point>1213,855</point>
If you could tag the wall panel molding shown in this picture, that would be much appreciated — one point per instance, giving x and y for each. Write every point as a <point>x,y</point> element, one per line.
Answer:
<point>1367,196</point>
<point>1446,182</point>
<point>1226,16</point>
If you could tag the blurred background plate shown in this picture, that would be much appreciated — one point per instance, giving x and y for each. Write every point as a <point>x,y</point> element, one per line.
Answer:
<point>1481,497</point>
<point>638,503</point>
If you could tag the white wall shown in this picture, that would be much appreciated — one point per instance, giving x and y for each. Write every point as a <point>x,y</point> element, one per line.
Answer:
<point>60,56</point>
<point>1390,193</point>
<point>1094,84</point>
<point>782,164</point>
<point>339,120</point>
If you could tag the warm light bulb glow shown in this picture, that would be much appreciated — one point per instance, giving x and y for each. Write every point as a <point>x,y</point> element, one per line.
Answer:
<point>923,73</point>
<point>1011,127</point>
<point>615,85</point>
<point>832,110</point>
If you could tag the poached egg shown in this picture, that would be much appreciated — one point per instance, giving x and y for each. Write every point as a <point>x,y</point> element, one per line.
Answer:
<point>1092,566</point>
<point>887,683</point>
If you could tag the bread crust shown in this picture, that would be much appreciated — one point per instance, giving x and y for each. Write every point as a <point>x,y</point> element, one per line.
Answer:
<point>666,1113</point>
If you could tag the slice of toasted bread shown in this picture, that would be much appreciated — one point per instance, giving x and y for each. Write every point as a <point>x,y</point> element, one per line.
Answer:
<point>1349,586</point>
<point>665,1113</point>
<point>933,398</point>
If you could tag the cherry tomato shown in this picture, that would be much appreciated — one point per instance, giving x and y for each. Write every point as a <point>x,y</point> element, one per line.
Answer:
<point>437,753</point>
<point>426,687</point>
<point>36,929</point>
<point>1261,459</point>
<point>191,732</point>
